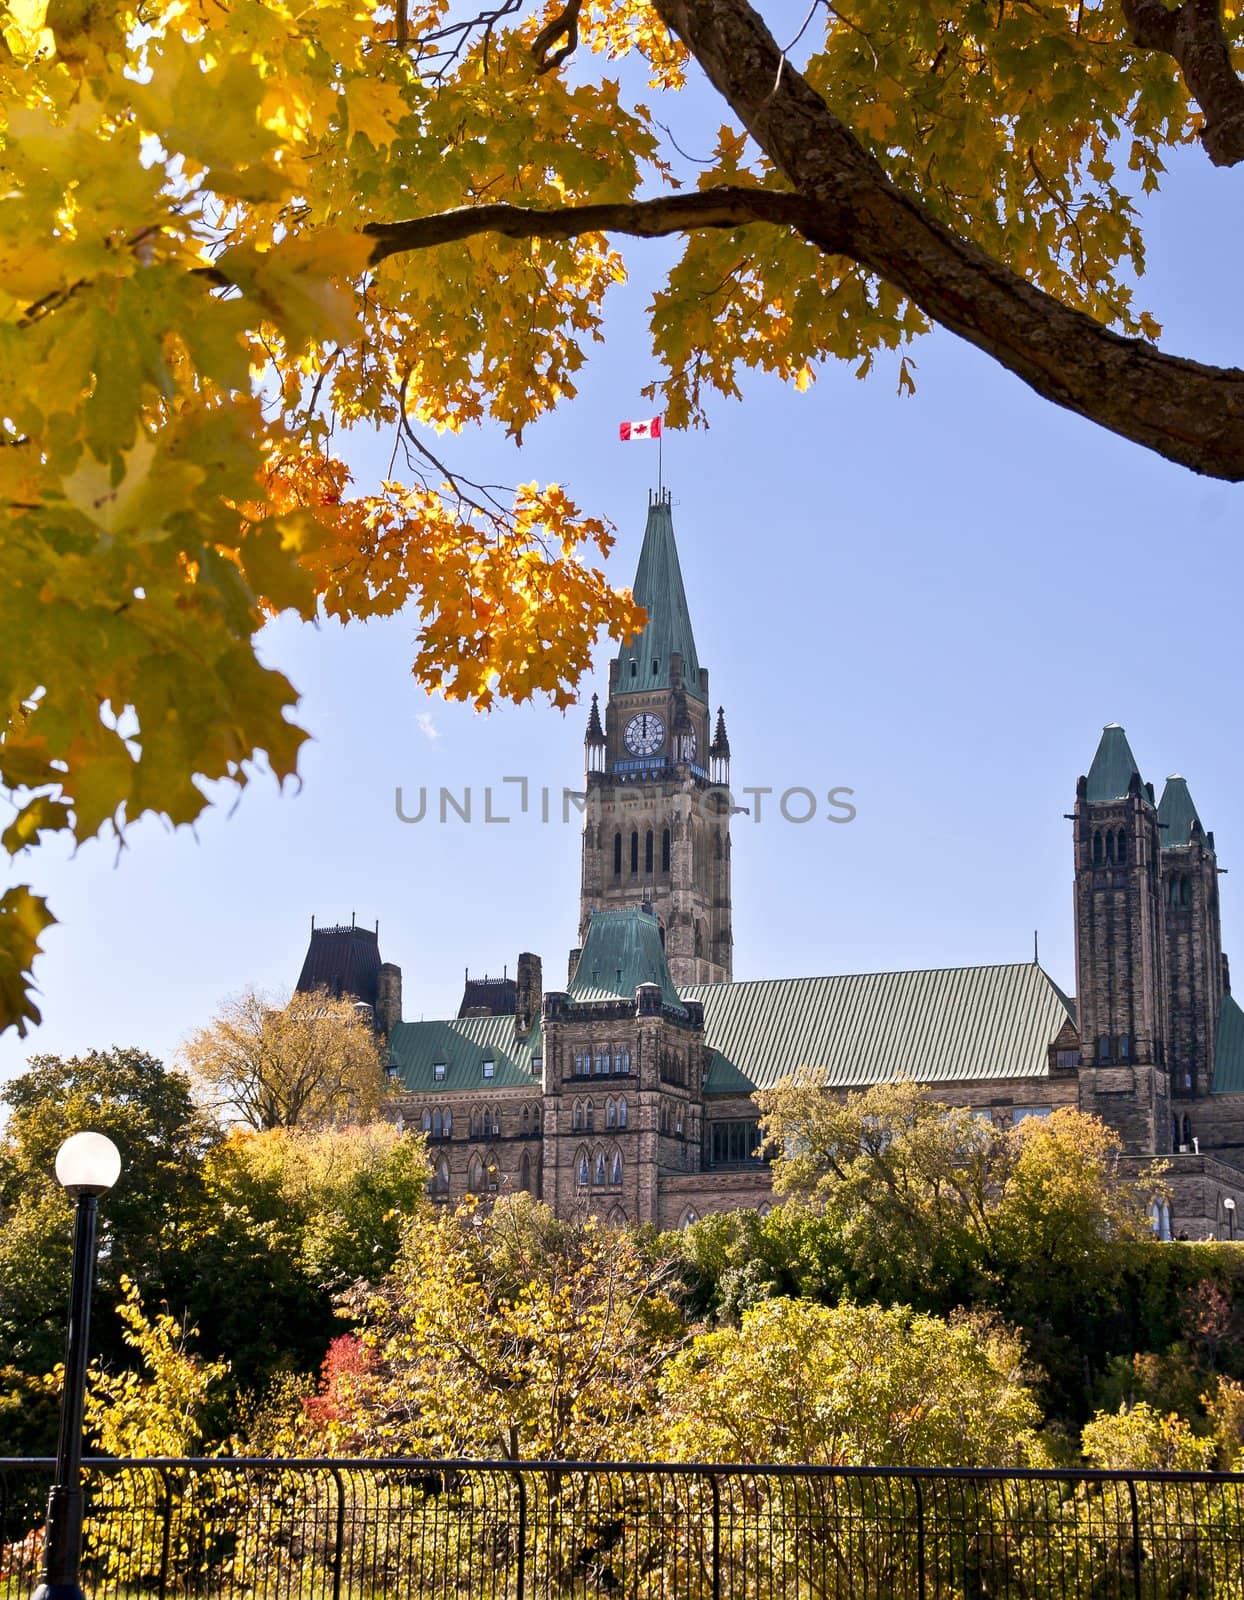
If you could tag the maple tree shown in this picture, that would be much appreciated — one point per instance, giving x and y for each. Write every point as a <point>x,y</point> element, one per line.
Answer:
<point>230,230</point>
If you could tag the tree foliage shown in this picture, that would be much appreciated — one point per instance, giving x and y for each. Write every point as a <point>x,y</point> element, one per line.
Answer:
<point>308,1061</point>
<point>505,1333</point>
<point>229,231</point>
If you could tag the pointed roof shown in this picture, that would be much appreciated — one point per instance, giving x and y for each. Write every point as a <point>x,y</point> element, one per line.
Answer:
<point>659,589</point>
<point>622,950</point>
<point>595,733</point>
<point>1110,776</point>
<point>1177,815</point>
<point>721,742</point>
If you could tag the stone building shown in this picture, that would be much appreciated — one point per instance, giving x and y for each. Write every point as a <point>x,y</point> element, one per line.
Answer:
<point>628,1093</point>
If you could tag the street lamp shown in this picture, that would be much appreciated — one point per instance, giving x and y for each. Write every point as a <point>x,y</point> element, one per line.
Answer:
<point>87,1165</point>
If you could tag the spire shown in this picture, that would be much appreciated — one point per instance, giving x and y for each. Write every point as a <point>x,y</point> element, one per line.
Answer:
<point>1114,767</point>
<point>594,740</point>
<point>721,743</point>
<point>659,589</point>
<point>1177,816</point>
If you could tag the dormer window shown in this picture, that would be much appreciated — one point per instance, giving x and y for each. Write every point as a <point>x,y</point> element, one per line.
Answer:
<point>656,665</point>
<point>490,1068</point>
<point>634,667</point>
<point>438,1071</point>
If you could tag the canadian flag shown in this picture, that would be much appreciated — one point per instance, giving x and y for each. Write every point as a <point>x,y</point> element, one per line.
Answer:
<point>649,429</point>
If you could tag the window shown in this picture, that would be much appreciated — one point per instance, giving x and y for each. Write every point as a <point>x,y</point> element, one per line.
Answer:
<point>475,1126</point>
<point>665,851</point>
<point>734,1143</point>
<point>635,851</point>
<point>634,667</point>
<point>622,1058</point>
<point>602,1058</point>
<point>490,1068</point>
<point>622,1112</point>
<point>496,1122</point>
<point>611,1113</point>
<point>576,1117</point>
<point>438,1071</point>
<point>1120,850</point>
<point>427,1122</point>
<point>583,1171</point>
<point>598,1174</point>
<point>689,1217</point>
<point>524,1173</point>
<point>589,1116</point>
<point>1068,1059</point>
<point>1125,1047</point>
<point>1185,891</point>
<point>617,855</point>
<point>449,1123</point>
<point>1103,1048</point>
<point>475,1176</point>
<point>582,1063</point>
<point>1020,1113</point>
<point>1097,851</point>
<point>440,1183</point>
<point>648,852</point>
<point>615,1171</point>
<point>526,1121</point>
<point>656,665</point>
<point>537,1064</point>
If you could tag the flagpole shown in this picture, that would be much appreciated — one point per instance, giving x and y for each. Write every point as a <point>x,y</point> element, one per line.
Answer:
<point>660,462</point>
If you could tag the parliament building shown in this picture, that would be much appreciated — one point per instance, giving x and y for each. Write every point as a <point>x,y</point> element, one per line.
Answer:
<point>627,1092</point>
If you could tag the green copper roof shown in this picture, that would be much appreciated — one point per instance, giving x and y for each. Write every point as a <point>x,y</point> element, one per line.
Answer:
<point>1177,813</point>
<point>622,950</point>
<point>1113,765</point>
<point>463,1046</point>
<point>659,589</point>
<point>1229,1049</point>
<point>935,1026</point>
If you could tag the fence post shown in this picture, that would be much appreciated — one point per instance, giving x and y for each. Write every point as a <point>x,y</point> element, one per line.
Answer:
<point>521,1586</point>
<point>1136,1550</point>
<point>716,1489</point>
<point>339,1539</point>
<point>167,1537</point>
<point>921,1579</point>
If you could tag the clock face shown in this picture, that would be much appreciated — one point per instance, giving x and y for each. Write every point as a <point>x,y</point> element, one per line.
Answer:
<point>645,734</point>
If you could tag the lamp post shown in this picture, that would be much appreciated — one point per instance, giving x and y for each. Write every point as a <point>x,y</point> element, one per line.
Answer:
<point>87,1165</point>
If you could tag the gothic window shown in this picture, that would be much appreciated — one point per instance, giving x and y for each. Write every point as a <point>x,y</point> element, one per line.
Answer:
<point>473,1126</point>
<point>635,850</point>
<point>602,1058</point>
<point>622,1058</point>
<point>648,852</point>
<point>525,1121</point>
<point>733,1143</point>
<point>617,1217</point>
<point>689,1217</point>
<point>1097,847</point>
<point>611,1113</point>
<point>615,1171</point>
<point>598,1174</point>
<point>1187,1139</point>
<point>441,1181</point>
<point>617,854</point>
<point>449,1123</point>
<point>583,1173</point>
<point>1175,1132</point>
<point>496,1121</point>
<point>582,1063</point>
<point>436,1124</point>
<point>576,1117</point>
<point>665,851</point>
<point>1109,844</point>
<point>1185,891</point>
<point>524,1173</point>
<point>1120,849</point>
<point>589,1116</point>
<point>427,1122</point>
<point>622,1112</point>
<point>475,1176</point>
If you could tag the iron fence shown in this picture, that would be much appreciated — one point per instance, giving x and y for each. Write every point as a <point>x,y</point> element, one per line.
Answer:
<point>477,1530</point>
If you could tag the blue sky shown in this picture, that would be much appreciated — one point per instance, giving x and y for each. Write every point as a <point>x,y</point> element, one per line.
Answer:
<point>936,601</point>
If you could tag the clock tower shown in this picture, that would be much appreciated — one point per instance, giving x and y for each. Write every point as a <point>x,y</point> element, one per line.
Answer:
<point>657,819</point>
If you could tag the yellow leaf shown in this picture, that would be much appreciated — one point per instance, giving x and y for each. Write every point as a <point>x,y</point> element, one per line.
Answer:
<point>374,109</point>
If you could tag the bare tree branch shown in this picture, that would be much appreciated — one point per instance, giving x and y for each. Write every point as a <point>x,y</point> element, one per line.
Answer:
<point>1193,35</point>
<point>723,207</point>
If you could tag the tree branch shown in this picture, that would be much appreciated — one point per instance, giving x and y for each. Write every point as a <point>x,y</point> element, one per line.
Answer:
<point>723,207</point>
<point>1188,412</point>
<point>1192,34</point>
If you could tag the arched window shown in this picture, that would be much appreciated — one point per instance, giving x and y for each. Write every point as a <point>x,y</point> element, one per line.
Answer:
<point>689,1216</point>
<point>598,1174</point>
<point>436,1124</point>
<point>442,1176</point>
<point>615,1171</point>
<point>1166,1220</point>
<point>473,1126</point>
<point>635,850</point>
<point>525,1121</point>
<point>496,1122</point>
<point>583,1173</point>
<point>602,1059</point>
<point>623,1114</point>
<point>622,1058</point>
<point>1120,849</point>
<point>1103,1048</point>
<point>1187,1131</point>
<point>611,1113</point>
<point>617,1217</point>
<point>427,1122</point>
<point>576,1117</point>
<point>648,852</point>
<point>617,855</point>
<point>589,1116</point>
<point>449,1123</point>
<point>524,1173</point>
<point>1097,847</point>
<point>1109,844</point>
<point>475,1176</point>
<point>665,851</point>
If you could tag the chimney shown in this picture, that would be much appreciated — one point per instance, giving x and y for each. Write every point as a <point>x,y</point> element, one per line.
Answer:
<point>388,998</point>
<point>574,964</point>
<point>528,993</point>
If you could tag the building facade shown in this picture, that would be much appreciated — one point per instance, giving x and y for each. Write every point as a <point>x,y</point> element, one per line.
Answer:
<point>628,1093</point>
